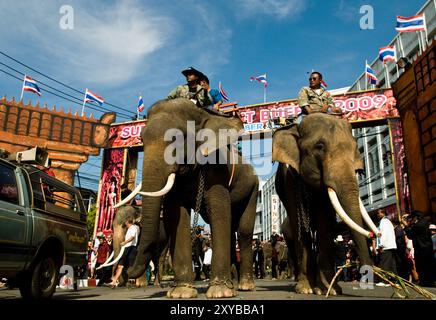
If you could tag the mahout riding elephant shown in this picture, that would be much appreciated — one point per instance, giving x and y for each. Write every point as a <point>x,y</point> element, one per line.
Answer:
<point>119,231</point>
<point>316,177</point>
<point>226,193</point>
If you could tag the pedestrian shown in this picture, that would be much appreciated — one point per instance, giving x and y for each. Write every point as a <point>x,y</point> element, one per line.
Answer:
<point>387,245</point>
<point>418,229</point>
<point>130,242</point>
<point>207,260</point>
<point>341,257</point>
<point>103,252</point>
<point>403,266</point>
<point>258,259</point>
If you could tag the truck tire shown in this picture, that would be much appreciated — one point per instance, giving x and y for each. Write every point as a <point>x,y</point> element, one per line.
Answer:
<point>40,283</point>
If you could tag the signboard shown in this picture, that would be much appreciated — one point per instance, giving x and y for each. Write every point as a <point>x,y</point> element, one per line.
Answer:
<point>356,106</point>
<point>125,135</point>
<point>274,213</point>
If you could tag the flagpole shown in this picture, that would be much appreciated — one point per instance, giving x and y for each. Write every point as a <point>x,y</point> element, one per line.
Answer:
<point>419,42</point>
<point>401,44</point>
<point>83,105</point>
<point>264,93</point>
<point>387,76</point>
<point>425,27</point>
<point>137,108</point>
<point>22,89</point>
<point>366,76</point>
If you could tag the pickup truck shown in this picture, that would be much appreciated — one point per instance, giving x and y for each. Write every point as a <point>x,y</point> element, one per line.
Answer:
<point>42,228</point>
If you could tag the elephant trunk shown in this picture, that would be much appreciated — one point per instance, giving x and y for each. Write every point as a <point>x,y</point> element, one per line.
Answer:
<point>348,194</point>
<point>153,178</point>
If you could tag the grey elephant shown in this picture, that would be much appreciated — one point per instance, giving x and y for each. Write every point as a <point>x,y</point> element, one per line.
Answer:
<point>316,177</point>
<point>119,231</point>
<point>229,194</point>
<point>281,259</point>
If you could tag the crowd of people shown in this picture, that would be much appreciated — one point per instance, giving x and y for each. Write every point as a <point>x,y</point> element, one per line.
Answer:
<point>406,248</point>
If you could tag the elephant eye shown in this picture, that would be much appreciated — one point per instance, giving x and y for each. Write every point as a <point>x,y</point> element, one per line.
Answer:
<point>320,145</point>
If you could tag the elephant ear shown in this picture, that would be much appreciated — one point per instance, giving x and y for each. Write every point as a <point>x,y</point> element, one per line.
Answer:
<point>285,147</point>
<point>226,131</point>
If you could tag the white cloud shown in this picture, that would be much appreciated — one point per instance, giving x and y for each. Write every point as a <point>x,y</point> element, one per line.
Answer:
<point>107,45</point>
<point>278,8</point>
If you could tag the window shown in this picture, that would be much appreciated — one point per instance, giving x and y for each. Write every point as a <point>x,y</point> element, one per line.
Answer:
<point>8,185</point>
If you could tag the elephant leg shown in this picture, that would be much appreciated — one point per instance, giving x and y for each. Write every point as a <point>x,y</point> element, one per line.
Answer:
<point>246,227</point>
<point>218,204</point>
<point>326,253</point>
<point>177,220</point>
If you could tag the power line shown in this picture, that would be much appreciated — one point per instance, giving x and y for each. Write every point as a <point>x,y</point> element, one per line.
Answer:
<point>59,82</point>
<point>122,115</point>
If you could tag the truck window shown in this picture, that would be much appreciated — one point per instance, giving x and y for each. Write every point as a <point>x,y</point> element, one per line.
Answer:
<point>8,185</point>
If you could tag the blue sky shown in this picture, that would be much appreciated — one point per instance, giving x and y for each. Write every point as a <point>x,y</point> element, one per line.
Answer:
<point>120,48</point>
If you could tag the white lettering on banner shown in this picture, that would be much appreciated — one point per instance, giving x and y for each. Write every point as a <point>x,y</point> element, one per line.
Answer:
<point>275,213</point>
<point>132,131</point>
<point>361,103</point>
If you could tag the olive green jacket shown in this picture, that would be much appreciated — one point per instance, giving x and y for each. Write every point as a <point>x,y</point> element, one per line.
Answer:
<point>309,97</point>
<point>201,97</point>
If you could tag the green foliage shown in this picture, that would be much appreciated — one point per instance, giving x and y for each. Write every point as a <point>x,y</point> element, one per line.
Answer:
<point>90,220</point>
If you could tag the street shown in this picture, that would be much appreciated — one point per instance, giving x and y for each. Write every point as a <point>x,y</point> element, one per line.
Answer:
<point>265,290</point>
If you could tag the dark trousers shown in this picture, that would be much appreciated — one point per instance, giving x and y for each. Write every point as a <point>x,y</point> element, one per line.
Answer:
<point>424,264</point>
<point>258,269</point>
<point>388,260</point>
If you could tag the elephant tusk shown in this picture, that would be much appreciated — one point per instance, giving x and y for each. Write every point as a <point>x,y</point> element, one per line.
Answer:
<point>115,261</point>
<point>129,197</point>
<point>164,190</point>
<point>368,219</point>
<point>344,216</point>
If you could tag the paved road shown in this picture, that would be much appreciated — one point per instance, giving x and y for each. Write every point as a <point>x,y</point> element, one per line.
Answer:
<point>265,290</point>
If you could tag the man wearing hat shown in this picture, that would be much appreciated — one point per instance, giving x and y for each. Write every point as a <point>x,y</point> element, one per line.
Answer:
<point>192,90</point>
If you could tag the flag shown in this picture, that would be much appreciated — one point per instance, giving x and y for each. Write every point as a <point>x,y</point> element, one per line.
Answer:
<point>387,54</point>
<point>140,104</point>
<point>324,84</point>
<point>410,24</point>
<point>371,75</point>
<point>30,85</point>
<point>261,79</point>
<point>91,96</point>
<point>223,93</point>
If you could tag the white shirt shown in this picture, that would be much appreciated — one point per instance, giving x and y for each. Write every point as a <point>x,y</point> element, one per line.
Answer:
<point>387,239</point>
<point>208,256</point>
<point>133,231</point>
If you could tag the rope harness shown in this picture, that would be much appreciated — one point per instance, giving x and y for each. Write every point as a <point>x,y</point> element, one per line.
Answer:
<point>303,207</point>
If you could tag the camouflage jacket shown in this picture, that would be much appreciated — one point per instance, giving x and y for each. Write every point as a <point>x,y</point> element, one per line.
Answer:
<point>201,97</point>
<point>309,97</point>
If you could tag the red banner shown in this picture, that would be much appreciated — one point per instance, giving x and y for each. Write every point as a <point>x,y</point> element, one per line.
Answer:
<point>357,106</point>
<point>126,134</point>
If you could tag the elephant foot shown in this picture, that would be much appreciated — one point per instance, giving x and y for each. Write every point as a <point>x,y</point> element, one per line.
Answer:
<point>246,285</point>
<point>135,271</point>
<point>186,291</point>
<point>221,289</point>
<point>303,287</point>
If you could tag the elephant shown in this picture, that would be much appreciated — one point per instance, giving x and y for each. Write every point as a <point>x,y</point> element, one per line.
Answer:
<point>224,193</point>
<point>316,177</point>
<point>119,232</point>
<point>282,259</point>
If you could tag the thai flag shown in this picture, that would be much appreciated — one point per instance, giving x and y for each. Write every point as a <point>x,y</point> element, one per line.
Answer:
<point>323,84</point>
<point>410,24</point>
<point>223,93</point>
<point>371,75</point>
<point>261,78</point>
<point>91,96</point>
<point>387,53</point>
<point>140,104</point>
<point>30,85</point>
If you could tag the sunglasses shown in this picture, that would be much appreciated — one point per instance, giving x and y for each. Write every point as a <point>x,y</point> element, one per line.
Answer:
<point>313,78</point>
